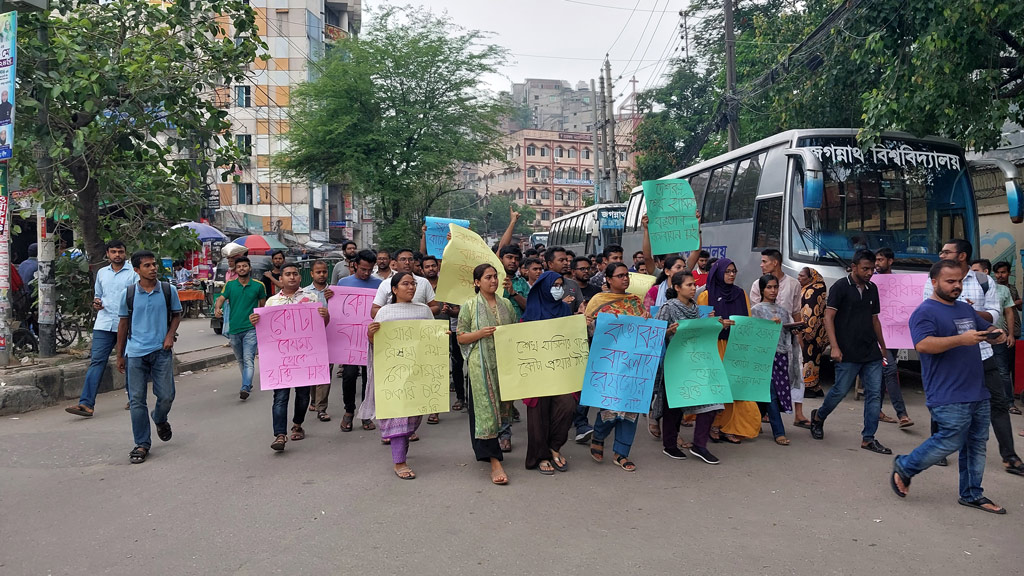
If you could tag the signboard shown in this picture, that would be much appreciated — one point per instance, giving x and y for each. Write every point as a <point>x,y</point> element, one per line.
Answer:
<point>572,182</point>
<point>410,368</point>
<point>576,136</point>
<point>346,333</point>
<point>337,224</point>
<point>8,63</point>
<point>543,358</point>
<point>611,219</point>
<point>898,296</point>
<point>623,362</point>
<point>672,216</point>
<point>437,233</point>
<point>292,343</point>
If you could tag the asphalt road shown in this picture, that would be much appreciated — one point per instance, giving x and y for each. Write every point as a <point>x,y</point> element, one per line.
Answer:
<point>217,500</point>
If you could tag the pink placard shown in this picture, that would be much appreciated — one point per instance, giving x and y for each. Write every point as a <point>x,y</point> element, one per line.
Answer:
<point>292,342</point>
<point>898,296</point>
<point>346,333</point>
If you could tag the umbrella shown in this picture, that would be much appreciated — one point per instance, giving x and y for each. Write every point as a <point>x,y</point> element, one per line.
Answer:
<point>205,232</point>
<point>260,245</point>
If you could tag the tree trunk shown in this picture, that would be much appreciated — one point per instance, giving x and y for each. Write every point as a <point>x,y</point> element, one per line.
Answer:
<point>88,209</point>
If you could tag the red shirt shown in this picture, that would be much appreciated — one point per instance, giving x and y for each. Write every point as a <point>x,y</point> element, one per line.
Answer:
<point>699,278</point>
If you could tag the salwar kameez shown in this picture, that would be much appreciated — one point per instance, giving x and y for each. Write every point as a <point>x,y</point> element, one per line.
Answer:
<point>547,427</point>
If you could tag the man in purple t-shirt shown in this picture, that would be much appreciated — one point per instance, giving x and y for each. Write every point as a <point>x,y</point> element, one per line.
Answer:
<point>947,333</point>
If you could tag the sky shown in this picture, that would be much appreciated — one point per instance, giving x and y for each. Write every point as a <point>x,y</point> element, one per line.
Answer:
<point>568,39</point>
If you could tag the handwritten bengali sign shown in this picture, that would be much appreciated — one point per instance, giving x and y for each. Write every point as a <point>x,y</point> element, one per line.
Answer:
<point>694,373</point>
<point>623,363</point>
<point>292,344</point>
<point>466,251</point>
<point>410,368</point>
<point>672,216</point>
<point>346,332</point>
<point>898,296</point>
<point>640,284</point>
<point>543,358</point>
<point>749,357</point>
<point>437,233</point>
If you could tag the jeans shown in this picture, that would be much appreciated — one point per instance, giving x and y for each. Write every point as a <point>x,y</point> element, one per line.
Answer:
<point>280,409</point>
<point>1003,356</point>
<point>103,343</point>
<point>244,346</point>
<point>349,374</point>
<point>962,427</point>
<point>625,431</point>
<point>581,419</point>
<point>774,413</point>
<point>890,374</point>
<point>1000,405</point>
<point>159,366</point>
<point>871,377</point>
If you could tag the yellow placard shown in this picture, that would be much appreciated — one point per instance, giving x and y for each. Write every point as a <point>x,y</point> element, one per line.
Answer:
<point>640,284</point>
<point>542,358</point>
<point>464,252</point>
<point>410,368</point>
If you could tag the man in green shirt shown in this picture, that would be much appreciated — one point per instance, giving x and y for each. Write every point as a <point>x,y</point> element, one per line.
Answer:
<point>244,295</point>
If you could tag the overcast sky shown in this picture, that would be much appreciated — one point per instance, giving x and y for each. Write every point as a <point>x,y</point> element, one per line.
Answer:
<point>567,39</point>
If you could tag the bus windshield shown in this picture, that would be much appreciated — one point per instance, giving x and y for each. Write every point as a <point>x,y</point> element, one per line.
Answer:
<point>611,222</point>
<point>910,196</point>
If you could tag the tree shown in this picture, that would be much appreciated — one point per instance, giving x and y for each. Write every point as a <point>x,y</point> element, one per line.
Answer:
<point>133,131</point>
<point>486,214</point>
<point>396,112</point>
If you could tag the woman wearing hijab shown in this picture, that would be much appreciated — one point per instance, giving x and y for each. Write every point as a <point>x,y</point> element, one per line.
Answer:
<point>547,418</point>
<point>814,298</point>
<point>740,419</point>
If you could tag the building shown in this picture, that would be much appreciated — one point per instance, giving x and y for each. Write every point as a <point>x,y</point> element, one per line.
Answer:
<point>297,33</point>
<point>555,105</point>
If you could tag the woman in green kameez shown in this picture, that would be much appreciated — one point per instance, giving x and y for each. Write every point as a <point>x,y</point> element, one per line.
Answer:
<point>478,318</point>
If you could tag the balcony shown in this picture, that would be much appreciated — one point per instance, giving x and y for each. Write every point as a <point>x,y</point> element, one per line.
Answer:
<point>334,33</point>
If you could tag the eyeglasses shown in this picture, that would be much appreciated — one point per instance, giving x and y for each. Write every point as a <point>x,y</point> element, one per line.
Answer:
<point>406,259</point>
<point>945,252</point>
<point>626,275</point>
<point>730,272</point>
<point>584,269</point>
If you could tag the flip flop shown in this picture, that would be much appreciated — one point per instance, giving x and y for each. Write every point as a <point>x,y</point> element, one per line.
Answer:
<point>550,471</point>
<point>883,417</point>
<point>405,473</point>
<point>433,419</point>
<point>806,424</point>
<point>906,422</point>
<point>980,505</point>
<point>894,485</point>
<point>560,467</point>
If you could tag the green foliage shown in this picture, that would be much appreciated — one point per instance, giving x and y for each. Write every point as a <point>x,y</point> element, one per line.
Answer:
<point>74,286</point>
<point>396,112</point>
<point>467,205</point>
<point>133,130</point>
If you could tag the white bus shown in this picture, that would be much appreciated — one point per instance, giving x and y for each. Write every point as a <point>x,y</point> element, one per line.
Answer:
<point>817,197</point>
<point>590,230</point>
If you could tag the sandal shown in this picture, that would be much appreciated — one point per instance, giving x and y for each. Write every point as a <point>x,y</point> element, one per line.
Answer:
<point>906,422</point>
<point>625,464</point>
<point>413,438</point>
<point>505,444</point>
<point>546,468</point>
<point>138,454</point>
<point>1014,466</point>
<point>715,435</point>
<point>405,473</point>
<point>895,486</point>
<point>802,424</point>
<point>80,410</point>
<point>298,433</point>
<point>980,505</point>
<point>346,422</point>
<point>433,419</point>
<point>458,406</point>
<point>385,441</point>
<point>499,478</point>
<point>312,407</point>
<point>1015,410</point>
<point>279,442</point>
<point>782,441</point>
<point>324,417</point>
<point>560,463</point>
<point>654,428</point>
<point>730,439</point>
<point>597,451</point>
<point>883,417</point>
<point>368,424</point>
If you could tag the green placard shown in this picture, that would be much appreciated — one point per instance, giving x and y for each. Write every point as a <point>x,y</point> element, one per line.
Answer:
<point>694,374</point>
<point>749,357</point>
<point>672,216</point>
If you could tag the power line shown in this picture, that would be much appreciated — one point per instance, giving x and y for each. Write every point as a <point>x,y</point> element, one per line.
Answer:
<point>623,27</point>
<point>611,7</point>
<point>651,40</point>
<point>637,46</point>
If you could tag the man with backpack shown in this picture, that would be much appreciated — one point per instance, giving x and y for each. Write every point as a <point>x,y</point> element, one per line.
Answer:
<point>150,314</point>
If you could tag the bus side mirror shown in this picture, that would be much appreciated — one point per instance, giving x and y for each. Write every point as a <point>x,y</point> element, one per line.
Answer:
<point>814,177</point>
<point>1014,194</point>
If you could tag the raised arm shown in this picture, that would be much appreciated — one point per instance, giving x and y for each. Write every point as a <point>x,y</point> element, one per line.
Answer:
<point>691,260</point>
<point>506,238</point>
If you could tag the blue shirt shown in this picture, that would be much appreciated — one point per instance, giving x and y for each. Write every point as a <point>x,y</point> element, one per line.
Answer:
<point>149,320</point>
<point>957,375</point>
<point>110,288</point>
<point>27,271</point>
<point>373,282</point>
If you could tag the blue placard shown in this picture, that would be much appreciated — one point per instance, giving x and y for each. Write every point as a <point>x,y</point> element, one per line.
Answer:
<point>624,358</point>
<point>437,234</point>
<point>705,311</point>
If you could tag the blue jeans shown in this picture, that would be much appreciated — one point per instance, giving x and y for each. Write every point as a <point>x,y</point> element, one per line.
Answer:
<point>581,418</point>
<point>625,431</point>
<point>280,409</point>
<point>962,427</point>
<point>891,376</point>
<point>159,367</point>
<point>774,414</point>
<point>871,378</point>
<point>103,343</point>
<point>244,345</point>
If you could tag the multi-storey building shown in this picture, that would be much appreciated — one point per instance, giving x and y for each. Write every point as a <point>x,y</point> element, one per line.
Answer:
<point>555,105</point>
<point>298,33</point>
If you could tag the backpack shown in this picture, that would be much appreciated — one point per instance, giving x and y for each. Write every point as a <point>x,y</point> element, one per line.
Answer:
<point>130,301</point>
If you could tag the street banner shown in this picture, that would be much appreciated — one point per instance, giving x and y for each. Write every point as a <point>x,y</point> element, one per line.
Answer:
<point>466,251</point>
<point>5,233</point>
<point>640,284</point>
<point>542,358</point>
<point>671,216</point>
<point>292,344</point>
<point>694,373</point>
<point>437,233</point>
<point>749,357</point>
<point>410,368</point>
<point>898,296</point>
<point>346,332</point>
<point>623,363</point>
<point>8,66</point>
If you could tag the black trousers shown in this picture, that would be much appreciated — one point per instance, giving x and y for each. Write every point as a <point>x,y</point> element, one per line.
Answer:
<point>349,375</point>
<point>458,375</point>
<point>484,450</point>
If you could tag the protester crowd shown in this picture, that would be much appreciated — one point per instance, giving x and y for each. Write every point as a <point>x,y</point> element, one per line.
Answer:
<point>964,331</point>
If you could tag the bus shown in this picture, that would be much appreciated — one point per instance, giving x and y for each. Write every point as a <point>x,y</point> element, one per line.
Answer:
<point>818,197</point>
<point>590,230</point>
<point>538,238</point>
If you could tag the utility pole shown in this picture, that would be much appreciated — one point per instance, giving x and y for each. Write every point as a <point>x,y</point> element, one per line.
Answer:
<point>730,78</point>
<point>594,128</point>
<point>46,245</point>
<point>613,194</point>
<point>686,37</point>
<point>604,143</point>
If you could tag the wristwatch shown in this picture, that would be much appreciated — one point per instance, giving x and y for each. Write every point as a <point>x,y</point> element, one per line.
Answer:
<point>513,294</point>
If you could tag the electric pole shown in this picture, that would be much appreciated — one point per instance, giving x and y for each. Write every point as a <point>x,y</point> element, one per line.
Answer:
<point>613,195</point>
<point>594,129</point>
<point>604,143</point>
<point>686,37</point>
<point>730,78</point>
<point>46,245</point>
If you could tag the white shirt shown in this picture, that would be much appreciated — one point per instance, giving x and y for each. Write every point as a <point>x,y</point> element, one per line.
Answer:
<point>790,295</point>
<point>110,288</point>
<point>424,292</point>
<point>980,300</point>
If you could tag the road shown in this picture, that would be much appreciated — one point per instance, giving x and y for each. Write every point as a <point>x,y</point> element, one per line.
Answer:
<point>217,500</point>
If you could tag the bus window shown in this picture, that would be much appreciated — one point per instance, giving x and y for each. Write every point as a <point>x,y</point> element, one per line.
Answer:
<point>741,200</point>
<point>768,225</point>
<point>633,212</point>
<point>718,192</point>
<point>699,183</point>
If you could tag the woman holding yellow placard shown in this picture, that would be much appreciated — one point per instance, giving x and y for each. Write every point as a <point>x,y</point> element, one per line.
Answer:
<point>488,415</point>
<point>396,431</point>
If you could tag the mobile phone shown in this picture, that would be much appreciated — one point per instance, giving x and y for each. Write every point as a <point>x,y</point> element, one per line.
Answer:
<point>993,335</point>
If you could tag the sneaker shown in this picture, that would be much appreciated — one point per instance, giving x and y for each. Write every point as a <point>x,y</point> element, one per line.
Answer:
<point>674,453</point>
<point>163,431</point>
<point>584,437</point>
<point>704,455</point>
<point>817,426</point>
<point>243,394</point>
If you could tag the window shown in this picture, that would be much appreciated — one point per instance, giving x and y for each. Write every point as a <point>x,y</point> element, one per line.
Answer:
<point>587,174</point>
<point>744,191</point>
<point>586,99</point>
<point>531,172</point>
<point>531,150</point>
<point>559,194</point>
<point>768,225</point>
<point>718,192</point>
<point>699,183</point>
<point>572,152</point>
<point>572,195</point>
<point>510,154</point>
<point>244,143</point>
<point>519,194</point>
<point>552,98</point>
<point>559,152</point>
<point>586,153</point>
<point>545,215</point>
<point>573,174</point>
<point>243,192</point>
<point>633,211</point>
<point>532,194</point>
<point>559,214</point>
<point>560,173</point>
<point>622,156</point>
<point>545,173</point>
<point>519,150</point>
<point>545,194</point>
<point>536,97</point>
<point>243,96</point>
<point>314,222</point>
<point>544,152</point>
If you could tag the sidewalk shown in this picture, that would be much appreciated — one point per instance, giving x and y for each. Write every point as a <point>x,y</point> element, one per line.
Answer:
<point>46,382</point>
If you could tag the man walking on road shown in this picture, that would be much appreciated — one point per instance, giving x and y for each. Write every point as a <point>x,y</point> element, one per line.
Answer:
<point>851,320</point>
<point>321,290</point>
<point>947,334</point>
<point>363,278</point>
<point>341,269</point>
<point>242,295</point>
<point>890,370</point>
<point>150,314</point>
<point>112,282</point>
